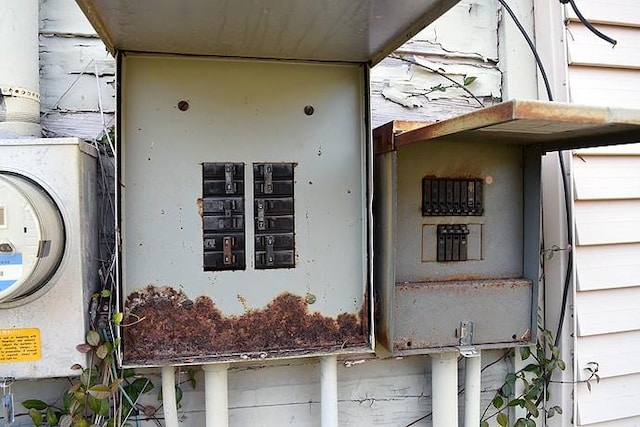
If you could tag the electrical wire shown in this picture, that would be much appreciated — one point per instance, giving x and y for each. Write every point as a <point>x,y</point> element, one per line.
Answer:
<point>588,24</point>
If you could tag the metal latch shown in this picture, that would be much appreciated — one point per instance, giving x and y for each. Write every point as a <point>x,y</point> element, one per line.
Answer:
<point>260,208</point>
<point>268,178</point>
<point>227,244</point>
<point>269,247</point>
<point>228,179</point>
<point>465,339</point>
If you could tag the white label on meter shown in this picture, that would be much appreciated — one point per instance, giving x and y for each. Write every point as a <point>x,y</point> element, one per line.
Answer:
<point>10,270</point>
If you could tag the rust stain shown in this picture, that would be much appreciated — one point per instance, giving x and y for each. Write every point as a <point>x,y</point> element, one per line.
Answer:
<point>466,285</point>
<point>172,332</point>
<point>242,300</point>
<point>200,206</point>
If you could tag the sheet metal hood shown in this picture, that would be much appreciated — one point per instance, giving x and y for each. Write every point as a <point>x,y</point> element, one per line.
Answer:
<point>325,30</point>
<point>552,125</point>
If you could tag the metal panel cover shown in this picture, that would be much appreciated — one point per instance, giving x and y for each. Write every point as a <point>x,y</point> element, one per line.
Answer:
<point>343,30</point>
<point>179,113</point>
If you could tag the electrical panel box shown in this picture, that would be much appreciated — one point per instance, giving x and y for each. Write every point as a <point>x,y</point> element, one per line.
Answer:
<point>48,254</point>
<point>456,242</point>
<point>244,205</point>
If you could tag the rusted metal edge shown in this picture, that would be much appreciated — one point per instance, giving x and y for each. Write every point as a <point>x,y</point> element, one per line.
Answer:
<point>384,135</point>
<point>98,24</point>
<point>280,356</point>
<point>605,121</point>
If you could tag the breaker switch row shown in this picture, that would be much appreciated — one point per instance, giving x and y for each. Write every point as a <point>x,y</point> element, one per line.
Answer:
<point>450,197</point>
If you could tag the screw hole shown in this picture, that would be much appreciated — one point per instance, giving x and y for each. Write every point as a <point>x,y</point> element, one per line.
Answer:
<point>183,105</point>
<point>409,343</point>
<point>309,110</point>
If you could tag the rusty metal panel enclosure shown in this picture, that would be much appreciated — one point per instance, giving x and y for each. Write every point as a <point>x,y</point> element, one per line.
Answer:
<point>190,125</point>
<point>422,298</point>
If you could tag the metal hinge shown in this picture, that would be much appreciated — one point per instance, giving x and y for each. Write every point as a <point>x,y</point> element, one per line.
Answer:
<point>465,340</point>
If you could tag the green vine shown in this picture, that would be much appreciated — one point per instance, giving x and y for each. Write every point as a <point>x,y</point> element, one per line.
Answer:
<point>534,379</point>
<point>103,395</point>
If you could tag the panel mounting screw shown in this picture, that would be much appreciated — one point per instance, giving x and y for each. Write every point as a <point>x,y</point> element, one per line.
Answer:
<point>183,105</point>
<point>310,298</point>
<point>308,110</point>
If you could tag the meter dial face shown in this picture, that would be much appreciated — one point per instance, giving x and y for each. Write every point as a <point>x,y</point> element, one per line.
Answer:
<point>32,238</point>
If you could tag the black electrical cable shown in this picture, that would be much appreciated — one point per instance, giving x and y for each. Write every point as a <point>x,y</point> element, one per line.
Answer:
<point>588,24</point>
<point>543,72</point>
<point>563,171</point>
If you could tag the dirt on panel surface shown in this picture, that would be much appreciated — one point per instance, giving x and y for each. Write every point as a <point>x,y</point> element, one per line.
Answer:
<point>165,325</point>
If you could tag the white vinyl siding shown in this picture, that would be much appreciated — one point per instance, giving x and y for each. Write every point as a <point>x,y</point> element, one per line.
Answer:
<point>607,218</point>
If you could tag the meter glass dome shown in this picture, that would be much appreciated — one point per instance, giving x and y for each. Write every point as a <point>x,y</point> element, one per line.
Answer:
<point>31,238</point>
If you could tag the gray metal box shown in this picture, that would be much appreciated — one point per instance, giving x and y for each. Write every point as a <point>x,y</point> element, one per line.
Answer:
<point>487,274</point>
<point>216,154</point>
<point>47,323</point>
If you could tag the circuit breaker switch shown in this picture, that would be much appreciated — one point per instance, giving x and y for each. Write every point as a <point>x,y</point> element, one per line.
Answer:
<point>452,242</point>
<point>223,216</point>
<point>274,215</point>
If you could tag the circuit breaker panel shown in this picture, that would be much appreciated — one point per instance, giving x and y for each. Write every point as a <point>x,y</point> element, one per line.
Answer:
<point>244,209</point>
<point>456,238</point>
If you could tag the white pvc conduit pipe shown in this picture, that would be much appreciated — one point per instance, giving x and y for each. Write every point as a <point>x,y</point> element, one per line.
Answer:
<point>444,389</point>
<point>472,384</point>
<point>216,394</point>
<point>20,70</point>
<point>329,391</point>
<point>169,406</point>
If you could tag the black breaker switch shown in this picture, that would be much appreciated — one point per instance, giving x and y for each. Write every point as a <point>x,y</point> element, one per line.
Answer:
<point>274,215</point>
<point>452,242</point>
<point>223,216</point>
<point>452,197</point>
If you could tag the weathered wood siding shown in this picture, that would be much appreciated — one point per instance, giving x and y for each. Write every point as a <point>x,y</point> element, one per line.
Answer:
<point>77,85</point>
<point>607,219</point>
<point>462,43</point>
<point>77,74</point>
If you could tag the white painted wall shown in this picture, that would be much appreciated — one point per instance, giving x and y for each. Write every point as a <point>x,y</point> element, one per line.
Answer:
<point>77,78</point>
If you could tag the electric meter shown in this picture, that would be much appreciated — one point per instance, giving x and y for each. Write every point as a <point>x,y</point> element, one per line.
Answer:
<point>48,254</point>
<point>31,237</point>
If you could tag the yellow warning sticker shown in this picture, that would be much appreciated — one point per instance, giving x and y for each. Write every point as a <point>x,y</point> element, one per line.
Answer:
<point>20,345</point>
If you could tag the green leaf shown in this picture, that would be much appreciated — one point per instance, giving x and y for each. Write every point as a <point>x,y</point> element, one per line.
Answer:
<point>469,79</point>
<point>66,421</point>
<point>52,416</point>
<point>530,423</point>
<point>505,390</point>
<point>558,409</point>
<point>532,367</point>
<point>93,338</point>
<point>484,424</point>
<point>532,408</point>
<point>521,422</point>
<point>551,412</point>
<point>192,377</point>
<point>36,416</point>
<point>99,391</point>
<point>502,419</point>
<point>511,378</point>
<point>497,402</point>
<point>178,394</point>
<point>516,402</point>
<point>35,404</point>
<point>102,351</point>
<point>117,317</point>
<point>142,385</point>
<point>105,293</point>
<point>561,365</point>
<point>81,422</point>
<point>525,352</point>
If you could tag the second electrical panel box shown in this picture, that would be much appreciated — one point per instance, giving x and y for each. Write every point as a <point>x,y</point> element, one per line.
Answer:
<point>456,242</point>
<point>244,205</point>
